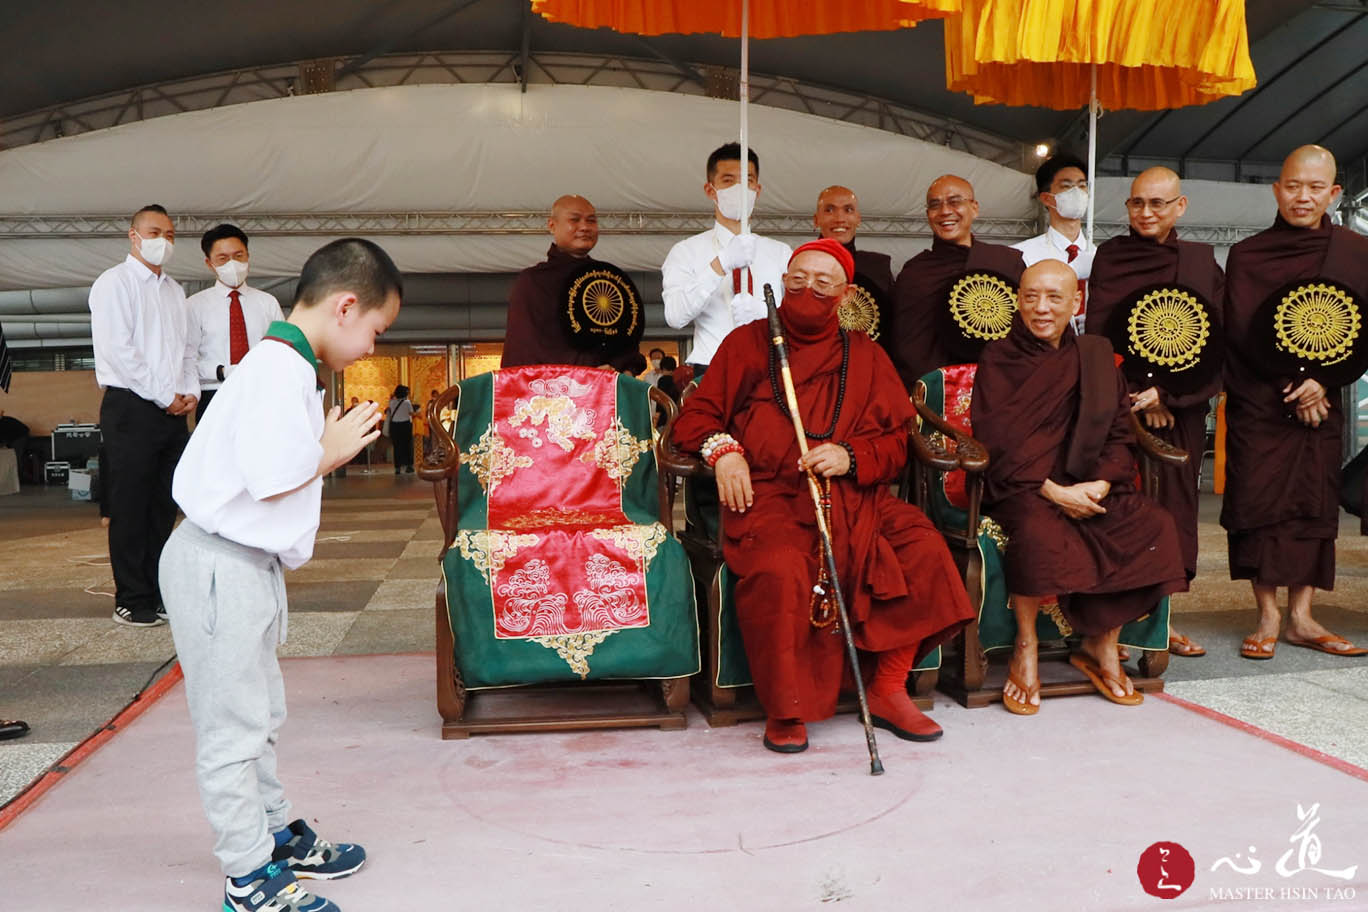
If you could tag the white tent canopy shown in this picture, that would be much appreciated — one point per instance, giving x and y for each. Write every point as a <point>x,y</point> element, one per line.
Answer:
<point>456,148</point>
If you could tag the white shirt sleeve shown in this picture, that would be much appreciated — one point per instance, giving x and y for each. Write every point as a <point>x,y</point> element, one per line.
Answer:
<point>207,363</point>
<point>688,291</point>
<point>278,452</point>
<point>189,372</point>
<point>112,331</point>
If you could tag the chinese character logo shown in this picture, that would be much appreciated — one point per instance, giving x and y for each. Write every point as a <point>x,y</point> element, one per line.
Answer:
<point>1165,870</point>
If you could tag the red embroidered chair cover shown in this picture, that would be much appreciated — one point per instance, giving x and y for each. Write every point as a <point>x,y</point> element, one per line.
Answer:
<point>560,568</point>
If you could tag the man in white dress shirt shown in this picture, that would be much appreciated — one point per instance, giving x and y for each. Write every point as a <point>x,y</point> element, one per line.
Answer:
<point>715,280</point>
<point>231,316</point>
<point>145,361</point>
<point>1062,188</point>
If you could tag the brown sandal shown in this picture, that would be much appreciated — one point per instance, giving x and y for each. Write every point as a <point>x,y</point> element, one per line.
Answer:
<point>1258,648</point>
<point>1102,681</point>
<point>1182,646</point>
<point>1021,707</point>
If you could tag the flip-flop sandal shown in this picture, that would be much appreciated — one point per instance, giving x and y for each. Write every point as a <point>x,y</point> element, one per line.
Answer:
<point>1331,644</point>
<point>1021,707</point>
<point>1102,681</point>
<point>1181,645</point>
<point>1256,648</point>
<point>1122,654</point>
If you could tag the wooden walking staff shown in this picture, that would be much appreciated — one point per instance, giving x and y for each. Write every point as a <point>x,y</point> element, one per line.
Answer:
<point>781,349</point>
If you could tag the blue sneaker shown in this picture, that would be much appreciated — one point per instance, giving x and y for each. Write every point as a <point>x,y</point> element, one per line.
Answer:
<point>311,858</point>
<point>276,890</point>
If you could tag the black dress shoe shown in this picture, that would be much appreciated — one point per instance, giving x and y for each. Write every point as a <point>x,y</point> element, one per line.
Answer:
<point>9,730</point>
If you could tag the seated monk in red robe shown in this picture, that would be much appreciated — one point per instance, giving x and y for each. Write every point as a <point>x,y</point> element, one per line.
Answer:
<point>1053,410</point>
<point>903,592</point>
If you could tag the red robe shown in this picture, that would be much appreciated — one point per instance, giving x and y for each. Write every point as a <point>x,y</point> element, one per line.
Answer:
<point>919,294</point>
<point>535,333</point>
<point>1064,414</point>
<point>901,585</point>
<point>1123,266</point>
<point>1281,508</point>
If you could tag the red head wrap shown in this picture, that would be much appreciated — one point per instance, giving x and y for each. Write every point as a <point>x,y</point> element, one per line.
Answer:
<point>836,249</point>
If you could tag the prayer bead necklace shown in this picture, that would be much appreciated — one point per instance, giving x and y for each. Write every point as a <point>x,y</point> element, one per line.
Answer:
<point>840,390</point>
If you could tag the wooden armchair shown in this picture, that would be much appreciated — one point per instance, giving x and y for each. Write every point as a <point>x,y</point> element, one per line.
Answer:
<point>556,524</point>
<point>722,691</point>
<point>953,500</point>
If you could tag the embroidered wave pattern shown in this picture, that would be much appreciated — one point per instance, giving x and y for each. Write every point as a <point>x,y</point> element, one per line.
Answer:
<point>528,604</point>
<point>613,598</point>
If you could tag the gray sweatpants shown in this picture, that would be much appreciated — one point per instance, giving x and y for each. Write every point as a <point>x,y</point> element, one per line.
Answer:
<point>226,605</point>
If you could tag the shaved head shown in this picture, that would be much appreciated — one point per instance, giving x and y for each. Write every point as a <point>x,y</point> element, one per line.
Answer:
<point>1306,186</point>
<point>573,225</point>
<point>951,209</point>
<point>838,214</point>
<point>1048,297</point>
<point>1156,203</point>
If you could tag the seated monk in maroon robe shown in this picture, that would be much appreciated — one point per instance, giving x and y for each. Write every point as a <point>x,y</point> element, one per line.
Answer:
<point>920,293</point>
<point>1152,254</point>
<point>1053,411</point>
<point>535,332</point>
<point>1281,507</point>
<point>902,589</point>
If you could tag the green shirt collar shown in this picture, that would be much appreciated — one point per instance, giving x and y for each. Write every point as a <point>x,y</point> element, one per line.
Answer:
<point>294,337</point>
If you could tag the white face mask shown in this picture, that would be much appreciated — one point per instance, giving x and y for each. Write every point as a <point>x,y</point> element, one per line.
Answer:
<point>156,251</point>
<point>655,364</point>
<point>730,200</point>
<point>232,273</point>
<point>1072,203</point>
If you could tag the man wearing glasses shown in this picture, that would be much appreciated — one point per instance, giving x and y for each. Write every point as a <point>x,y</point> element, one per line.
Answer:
<point>1062,188</point>
<point>1152,255</point>
<point>926,279</point>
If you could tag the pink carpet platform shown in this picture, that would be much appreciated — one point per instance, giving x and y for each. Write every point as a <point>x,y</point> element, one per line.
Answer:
<point>1050,812</point>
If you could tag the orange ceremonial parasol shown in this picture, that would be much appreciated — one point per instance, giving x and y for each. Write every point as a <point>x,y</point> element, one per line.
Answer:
<point>744,19</point>
<point>1139,54</point>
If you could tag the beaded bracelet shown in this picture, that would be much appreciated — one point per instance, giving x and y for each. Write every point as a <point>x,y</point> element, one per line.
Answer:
<point>717,446</point>
<point>850,451</point>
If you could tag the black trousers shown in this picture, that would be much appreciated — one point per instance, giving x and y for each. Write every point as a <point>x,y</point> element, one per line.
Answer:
<point>205,396</point>
<point>142,446</point>
<point>401,433</point>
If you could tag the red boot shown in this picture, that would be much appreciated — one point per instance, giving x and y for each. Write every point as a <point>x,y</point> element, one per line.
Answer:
<point>786,736</point>
<point>890,707</point>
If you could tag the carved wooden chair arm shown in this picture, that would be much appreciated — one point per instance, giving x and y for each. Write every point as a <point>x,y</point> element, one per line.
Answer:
<point>971,455</point>
<point>1156,449</point>
<point>441,463</point>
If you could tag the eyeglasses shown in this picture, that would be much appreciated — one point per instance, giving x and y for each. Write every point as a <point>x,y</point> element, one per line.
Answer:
<point>796,283</point>
<point>954,202</point>
<point>1136,204</point>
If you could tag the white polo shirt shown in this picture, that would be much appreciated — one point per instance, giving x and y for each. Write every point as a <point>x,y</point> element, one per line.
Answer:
<point>693,293</point>
<point>261,438</point>
<point>209,310</point>
<point>143,336</point>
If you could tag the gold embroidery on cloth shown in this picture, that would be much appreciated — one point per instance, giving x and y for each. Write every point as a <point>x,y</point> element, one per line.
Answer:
<point>1052,609</point>
<point>553,404</point>
<point>559,517</point>
<point>491,460</point>
<point>616,452</point>
<point>575,648</point>
<point>639,542</point>
<point>991,528</point>
<point>490,549</point>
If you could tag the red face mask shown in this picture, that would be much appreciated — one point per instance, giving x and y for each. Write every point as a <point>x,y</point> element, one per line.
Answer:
<point>808,316</point>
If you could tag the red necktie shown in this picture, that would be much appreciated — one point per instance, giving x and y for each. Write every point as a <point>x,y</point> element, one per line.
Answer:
<point>736,281</point>
<point>237,328</point>
<point>1072,251</point>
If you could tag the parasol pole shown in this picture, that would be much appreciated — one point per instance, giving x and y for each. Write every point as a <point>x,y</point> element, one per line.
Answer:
<point>744,96</point>
<point>1092,153</point>
<point>823,531</point>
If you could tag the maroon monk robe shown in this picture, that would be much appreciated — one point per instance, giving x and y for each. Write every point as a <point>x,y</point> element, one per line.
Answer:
<point>1108,569</point>
<point>535,333</point>
<point>1281,509</point>
<point>1123,266</point>
<point>919,294</point>
<point>900,583</point>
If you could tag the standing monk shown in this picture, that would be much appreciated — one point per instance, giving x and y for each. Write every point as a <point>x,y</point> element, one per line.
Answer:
<point>535,333</point>
<point>902,588</point>
<point>1152,255</point>
<point>838,218</point>
<point>1281,510</point>
<point>1053,411</point>
<point>926,279</point>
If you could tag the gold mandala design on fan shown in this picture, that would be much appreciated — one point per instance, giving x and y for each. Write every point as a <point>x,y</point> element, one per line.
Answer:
<point>859,312</point>
<point>982,306</point>
<point>1318,323</point>
<point>604,296</point>
<point>1170,328</point>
